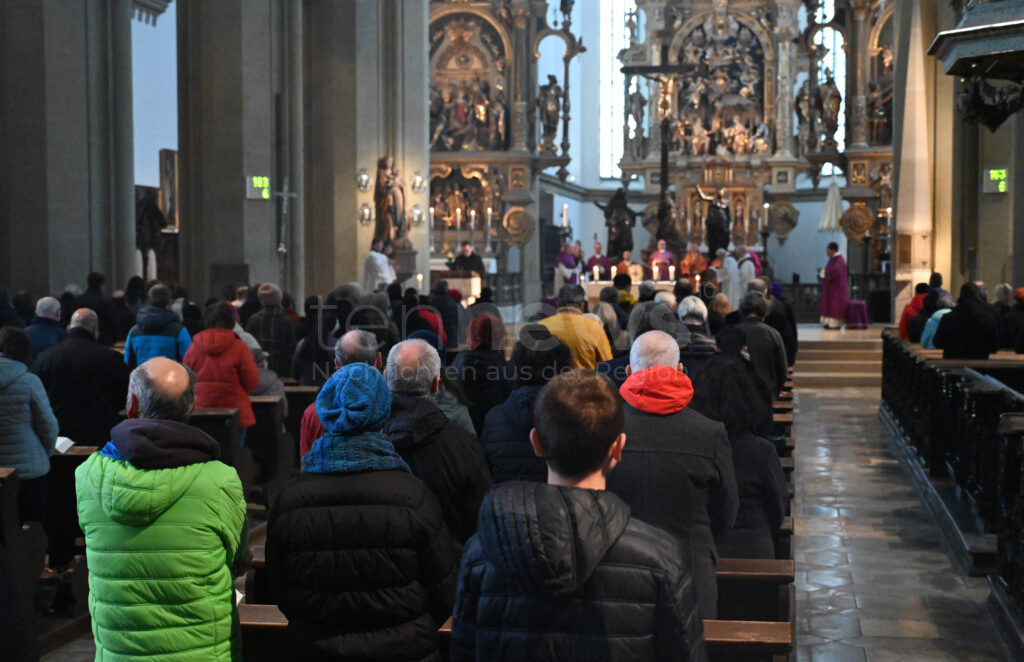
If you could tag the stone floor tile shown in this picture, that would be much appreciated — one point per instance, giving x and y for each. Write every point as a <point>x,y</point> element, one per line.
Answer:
<point>888,627</point>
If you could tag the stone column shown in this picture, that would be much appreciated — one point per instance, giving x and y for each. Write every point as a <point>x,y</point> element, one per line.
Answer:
<point>785,32</point>
<point>67,201</point>
<point>522,92</point>
<point>226,129</point>
<point>858,112</point>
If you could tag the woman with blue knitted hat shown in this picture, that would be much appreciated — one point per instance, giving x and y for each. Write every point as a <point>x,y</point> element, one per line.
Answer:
<point>358,554</point>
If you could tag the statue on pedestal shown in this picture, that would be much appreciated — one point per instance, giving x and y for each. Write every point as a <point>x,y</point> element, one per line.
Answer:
<point>716,222</point>
<point>549,103</point>
<point>389,197</point>
<point>829,101</point>
<point>619,219</point>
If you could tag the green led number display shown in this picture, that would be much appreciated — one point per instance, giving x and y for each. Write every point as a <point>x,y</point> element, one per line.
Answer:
<point>257,187</point>
<point>996,181</point>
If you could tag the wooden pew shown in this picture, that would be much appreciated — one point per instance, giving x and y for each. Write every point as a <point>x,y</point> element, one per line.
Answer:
<point>271,446</point>
<point>222,425</point>
<point>299,398</point>
<point>62,505</point>
<point>755,589</point>
<point>25,545</point>
<point>265,639</point>
<point>782,424</point>
<point>784,539</point>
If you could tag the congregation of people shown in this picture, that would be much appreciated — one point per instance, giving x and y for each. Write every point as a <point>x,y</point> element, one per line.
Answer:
<point>562,489</point>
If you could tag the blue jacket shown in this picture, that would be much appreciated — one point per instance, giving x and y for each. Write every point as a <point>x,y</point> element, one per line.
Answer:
<point>44,334</point>
<point>157,332</point>
<point>28,428</point>
<point>506,439</point>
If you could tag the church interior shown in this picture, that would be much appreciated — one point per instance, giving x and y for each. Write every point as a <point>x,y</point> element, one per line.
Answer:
<point>851,164</point>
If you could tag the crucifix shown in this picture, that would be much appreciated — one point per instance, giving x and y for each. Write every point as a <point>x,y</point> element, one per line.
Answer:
<point>662,74</point>
<point>283,229</point>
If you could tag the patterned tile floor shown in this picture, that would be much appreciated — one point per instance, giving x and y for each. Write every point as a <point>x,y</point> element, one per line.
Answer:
<point>874,581</point>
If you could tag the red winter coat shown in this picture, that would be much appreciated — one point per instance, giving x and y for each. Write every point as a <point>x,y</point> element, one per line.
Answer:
<point>915,306</point>
<point>225,372</point>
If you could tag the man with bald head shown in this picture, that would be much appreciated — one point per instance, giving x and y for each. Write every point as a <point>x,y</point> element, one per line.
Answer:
<point>165,528</point>
<point>85,381</point>
<point>439,452</point>
<point>46,329</point>
<point>676,471</point>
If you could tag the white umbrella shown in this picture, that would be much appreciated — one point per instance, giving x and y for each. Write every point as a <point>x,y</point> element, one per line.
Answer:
<point>833,209</point>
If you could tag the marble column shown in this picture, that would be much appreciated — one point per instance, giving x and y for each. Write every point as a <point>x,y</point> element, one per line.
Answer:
<point>67,202</point>
<point>858,79</point>
<point>785,32</point>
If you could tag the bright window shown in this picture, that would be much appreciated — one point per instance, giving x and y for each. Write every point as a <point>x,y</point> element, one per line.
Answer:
<point>614,38</point>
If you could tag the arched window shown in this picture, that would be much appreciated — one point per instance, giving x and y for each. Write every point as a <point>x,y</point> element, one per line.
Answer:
<point>612,113</point>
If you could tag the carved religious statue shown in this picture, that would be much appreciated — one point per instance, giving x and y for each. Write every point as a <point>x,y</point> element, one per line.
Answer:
<point>829,101</point>
<point>549,103</point>
<point>390,196</point>
<point>619,219</point>
<point>716,222</point>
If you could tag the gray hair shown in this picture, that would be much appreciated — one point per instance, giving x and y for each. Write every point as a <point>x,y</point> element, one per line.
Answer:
<point>159,295</point>
<point>758,285</point>
<point>609,294</point>
<point>571,295</point>
<point>356,346</point>
<point>1004,294</point>
<point>88,321</point>
<point>155,404</point>
<point>692,307</point>
<point>945,301</point>
<point>666,298</point>
<point>654,348</point>
<point>412,367</point>
<point>48,307</point>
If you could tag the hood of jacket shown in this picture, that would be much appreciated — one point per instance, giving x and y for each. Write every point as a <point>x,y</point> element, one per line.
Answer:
<point>152,319</point>
<point>152,464</point>
<point>546,539</point>
<point>415,421</point>
<point>10,370</point>
<point>658,390</point>
<point>214,342</point>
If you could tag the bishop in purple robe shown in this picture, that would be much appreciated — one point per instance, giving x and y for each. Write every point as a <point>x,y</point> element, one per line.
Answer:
<point>660,261</point>
<point>835,295</point>
<point>601,261</point>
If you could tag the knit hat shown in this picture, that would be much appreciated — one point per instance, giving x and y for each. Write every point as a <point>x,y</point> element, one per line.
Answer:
<point>432,340</point>
<point>355,399</point>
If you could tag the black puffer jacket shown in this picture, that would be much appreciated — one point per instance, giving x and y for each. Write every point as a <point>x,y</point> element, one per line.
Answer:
<point>363,566</point>
<point>967,332</point>
<point>763,495</point>
<point>446,457</point>
<point>506,439</point>
<point>486,377</point>
<point>562,573</point>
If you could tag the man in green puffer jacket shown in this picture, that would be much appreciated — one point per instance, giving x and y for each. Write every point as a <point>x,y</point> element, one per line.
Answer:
<point>165,525</point>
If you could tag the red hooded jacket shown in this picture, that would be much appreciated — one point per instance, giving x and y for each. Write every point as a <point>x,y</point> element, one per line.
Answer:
<point>225,372</point>
<point>659,390</point>
<point>915,306</point>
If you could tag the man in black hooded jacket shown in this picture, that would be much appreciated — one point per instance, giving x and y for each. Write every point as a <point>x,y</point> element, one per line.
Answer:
<point>968,331</point>
<point>561,571</point>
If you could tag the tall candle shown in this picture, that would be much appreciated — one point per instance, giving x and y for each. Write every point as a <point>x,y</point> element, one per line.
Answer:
<point>488,221</point>
<point>565,215</point>
<point>472,219</point>
<point>761,222</point>
<point>614,269</point>
<point>431,213</point>
<point>419,282</point>
<point>596,273</point>
<point>458,218</point>
<point>655,272</point>
<point>671,272</point>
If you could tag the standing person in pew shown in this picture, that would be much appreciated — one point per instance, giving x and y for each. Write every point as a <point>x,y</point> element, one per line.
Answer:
<point>764,344</point>
<point>944,305</point>
<point>450,397</point>
<point>165,529</point>
<point>85,381</point>
<point>726,392</point>
<point>563,571</point>
<point>28,428</point>
<point>443,455</point>
<point>677,471</point>
<point>225,369</point>
<point>46,330</point>
<point>273,329</point>
<point>157,331</point>
<point>969,330</point>
<point>358,554</point>
<point>356,346</point>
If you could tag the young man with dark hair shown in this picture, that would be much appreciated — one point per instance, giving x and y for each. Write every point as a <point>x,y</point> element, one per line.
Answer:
<point>561,571</point>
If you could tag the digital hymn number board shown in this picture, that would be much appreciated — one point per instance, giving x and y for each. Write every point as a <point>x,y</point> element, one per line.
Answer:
<point>257,188</point>
<point>994,181</point>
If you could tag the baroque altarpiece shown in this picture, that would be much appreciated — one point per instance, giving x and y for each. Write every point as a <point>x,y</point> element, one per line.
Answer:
<point>746,97</point>
<point>494,127</point>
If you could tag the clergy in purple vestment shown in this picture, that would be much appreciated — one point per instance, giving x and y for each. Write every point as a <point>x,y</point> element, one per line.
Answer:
<point>660,261</point>
<point>566,272</point>
<point>601,261</point>
<point>834,289</point>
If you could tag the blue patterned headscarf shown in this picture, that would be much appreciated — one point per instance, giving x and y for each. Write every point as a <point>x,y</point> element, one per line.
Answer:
<point>353,406</point>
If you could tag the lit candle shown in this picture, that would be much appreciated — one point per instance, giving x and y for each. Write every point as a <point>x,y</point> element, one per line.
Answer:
<point>655,272</point>
<point>419,282</point>
<point>671,272</point>
<point>596,273</point>
<point>761,222</point>
<point>431,212</point>
<point>614,269</point>
<point>472,219</point>
<point>565,215</point>
<point>698,281</point>
<point>458,217</point>
<point>488,221</point>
